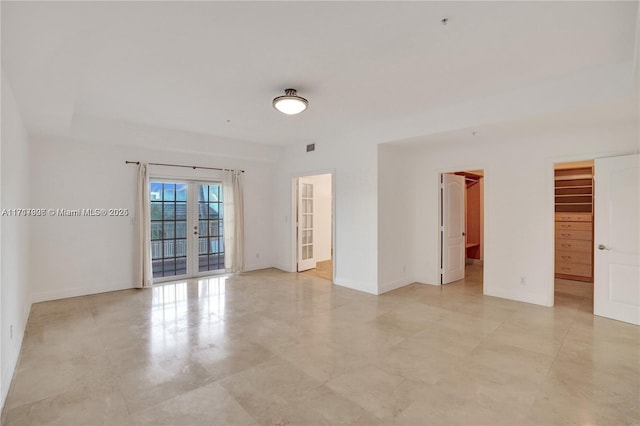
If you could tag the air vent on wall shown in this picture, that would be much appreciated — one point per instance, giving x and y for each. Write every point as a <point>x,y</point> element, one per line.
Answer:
<point>311,147</point>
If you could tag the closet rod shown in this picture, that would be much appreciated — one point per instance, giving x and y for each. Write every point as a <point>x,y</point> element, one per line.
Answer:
<point>180,165</point>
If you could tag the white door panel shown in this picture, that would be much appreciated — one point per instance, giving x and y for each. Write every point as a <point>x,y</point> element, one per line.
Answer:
<point>617,232</point>
<point>453,223</point>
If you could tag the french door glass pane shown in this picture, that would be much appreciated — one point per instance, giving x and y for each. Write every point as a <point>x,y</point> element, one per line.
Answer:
<point>181,229</point>
<point>168,229</point>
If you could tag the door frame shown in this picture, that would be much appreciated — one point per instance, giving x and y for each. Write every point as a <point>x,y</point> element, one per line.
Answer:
<point>293,240</point>
<point>485,235</point>
<point>551,208</point>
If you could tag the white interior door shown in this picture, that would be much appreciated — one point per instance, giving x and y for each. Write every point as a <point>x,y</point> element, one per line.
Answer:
<point>306,257</point>
<point>452,228</point>
<point>617,230</point>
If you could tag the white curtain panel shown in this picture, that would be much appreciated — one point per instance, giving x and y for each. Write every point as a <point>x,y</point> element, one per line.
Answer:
<point>144,275</point>
<point>233,205</point>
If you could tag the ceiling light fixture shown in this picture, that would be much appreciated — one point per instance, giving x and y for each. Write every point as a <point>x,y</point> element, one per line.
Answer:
<point>290,103</point>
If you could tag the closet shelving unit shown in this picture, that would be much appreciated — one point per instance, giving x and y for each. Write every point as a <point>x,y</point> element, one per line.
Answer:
<point>574,223</point>
<point>574,190</point>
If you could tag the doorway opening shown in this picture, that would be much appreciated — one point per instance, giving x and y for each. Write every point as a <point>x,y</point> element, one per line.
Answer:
<point>187,233</point>
<point>573,233</point>
<point>462,228</point>
<point>313,225</point>
<point>596,229</point>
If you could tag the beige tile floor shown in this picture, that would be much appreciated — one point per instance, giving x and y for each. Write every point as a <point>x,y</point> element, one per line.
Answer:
<point>283,349</point>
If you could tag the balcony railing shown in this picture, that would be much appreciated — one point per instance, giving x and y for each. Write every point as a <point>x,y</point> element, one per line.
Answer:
<point>174,248</point>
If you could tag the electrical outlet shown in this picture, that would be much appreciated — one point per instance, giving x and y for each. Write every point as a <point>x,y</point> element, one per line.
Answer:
<point>11,332</point>
<point>404,268</point>
<point>523,280</point>
<point>257,255</point>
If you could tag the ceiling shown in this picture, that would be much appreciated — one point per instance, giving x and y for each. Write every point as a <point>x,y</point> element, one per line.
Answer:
<point>214,67</point>
<point>616,114</point>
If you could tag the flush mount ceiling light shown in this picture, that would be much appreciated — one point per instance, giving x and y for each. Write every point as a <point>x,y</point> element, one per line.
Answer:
<point>290,103</point>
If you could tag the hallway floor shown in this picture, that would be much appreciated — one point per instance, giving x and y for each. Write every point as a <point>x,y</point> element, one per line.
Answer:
<point>270,347</point>
<point>322,270</point>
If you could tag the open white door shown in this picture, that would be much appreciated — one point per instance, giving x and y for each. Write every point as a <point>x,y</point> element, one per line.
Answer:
<point>306,259</point>
<point>452,228</point>
<point>617,228</point>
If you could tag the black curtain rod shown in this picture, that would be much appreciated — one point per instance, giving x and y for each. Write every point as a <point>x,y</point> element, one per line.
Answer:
<point>180,165</point>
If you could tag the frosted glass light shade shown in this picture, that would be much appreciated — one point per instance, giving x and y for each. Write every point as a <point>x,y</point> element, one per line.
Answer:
<point>290,103</point>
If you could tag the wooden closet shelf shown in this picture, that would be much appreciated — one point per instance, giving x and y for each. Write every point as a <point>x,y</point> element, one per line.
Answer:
<point>573,204</point>
<point>573,187</point>
<point>573,177</point>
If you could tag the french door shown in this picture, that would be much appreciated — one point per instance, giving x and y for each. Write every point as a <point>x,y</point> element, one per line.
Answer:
<point>306,258</point>
<point>187,236</point>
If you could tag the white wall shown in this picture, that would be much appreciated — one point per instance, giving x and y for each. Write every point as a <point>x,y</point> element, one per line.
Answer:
<point>85,255</point>
<point>354,157</point>
<point>2,384</point>
<point>396,218</point>
<point>16,293</point>
<point>518,196</point>
<point>322,216</point>
<point>353,163</point>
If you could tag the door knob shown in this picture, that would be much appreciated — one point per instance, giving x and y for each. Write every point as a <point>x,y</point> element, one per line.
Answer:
<point>602,247</point>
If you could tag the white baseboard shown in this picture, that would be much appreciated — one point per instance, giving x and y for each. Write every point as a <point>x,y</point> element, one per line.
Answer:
<point>363,286</point>
<point>282,267</point>
<point>46,296</point>
<point>392,285</point>
<point>257,267</point>
<point>427,283</point>
<point>519,296</point>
